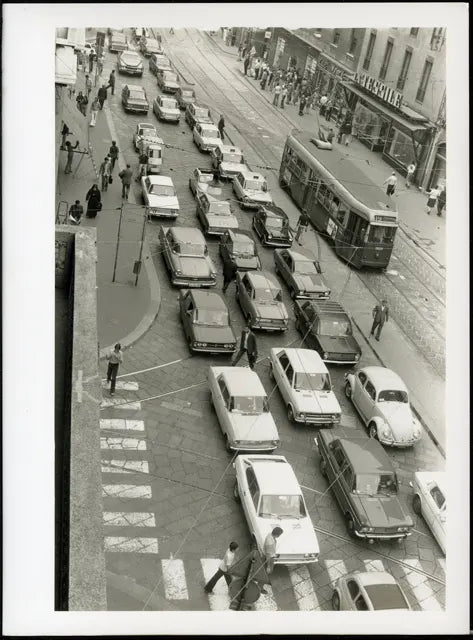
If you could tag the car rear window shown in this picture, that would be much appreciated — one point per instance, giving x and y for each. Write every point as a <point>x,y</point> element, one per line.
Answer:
<point>169,103</point>
<point>386,596</point>
<point>244,249</point>
<point>170,76</point>
<point>393,395</point>
<point>162,190</point>
<point>232,157</point>
<point>137,95</point>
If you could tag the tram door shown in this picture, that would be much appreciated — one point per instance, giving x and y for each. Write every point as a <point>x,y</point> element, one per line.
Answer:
<point>353,239</point>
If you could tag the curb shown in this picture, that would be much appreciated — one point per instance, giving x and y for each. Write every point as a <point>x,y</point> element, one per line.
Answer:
<point>440,268</point>
<point>416,412</point>
<point>217,44</point>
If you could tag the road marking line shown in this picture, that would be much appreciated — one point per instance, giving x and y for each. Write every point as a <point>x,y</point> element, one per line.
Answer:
<point>306,597</point>
<point>374,565</point>
<point>123,386</point>
<point>123,444</point>
<point>126,491</point>
<point>418,584</point>
<point>125,466</point>
<point>158,366</point>
<point>114,544</point>
<point>122,424</point>
<point>219,600</point>
<point>181,409</point>
<point>120,403</point>
<point>129,519</point>
<point>174,578</point>
<point>335,569</point>
<point>266,602</point>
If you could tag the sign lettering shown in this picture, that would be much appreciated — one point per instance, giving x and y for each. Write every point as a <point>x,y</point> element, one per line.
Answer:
<point>379,89</point>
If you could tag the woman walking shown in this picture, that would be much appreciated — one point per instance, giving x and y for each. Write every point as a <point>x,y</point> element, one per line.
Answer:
<point>94,201</point>
<point>432,201</point>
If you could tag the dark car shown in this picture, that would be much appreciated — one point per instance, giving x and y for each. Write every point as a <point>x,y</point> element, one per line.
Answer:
<point>168,81</point>
<point>301,273</point>
<point>365,484</point>
<point>185,95</point>
<point>197,113</point>
<point>206,322</point>
<point>240,248</point>
<point>186,257</point>
<point>159,62</point>
<point>134,99</point>
<point>272,226</point>
<point>129,62</point>
<point>327,328</point>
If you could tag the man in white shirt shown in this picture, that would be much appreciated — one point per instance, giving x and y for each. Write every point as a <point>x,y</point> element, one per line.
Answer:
<point>411,169</point>
<point>223,568</point>
<point>391,181</point>
<point>270,548</point>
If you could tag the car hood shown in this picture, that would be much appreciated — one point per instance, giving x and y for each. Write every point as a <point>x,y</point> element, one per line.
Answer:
<point>171,83</point>
<point>298,535</point>
<point>311,283</point>
<point>253,427</point>
<point>213,334</point>
<point>222,222</point>
<point>212,141</point>
<point>381,511</point>
<point>187,100</point>
<point>167,202</point>
<point>258,196</point>
<point>399,417</point>
<point>194,266</point>
<point>245,263</point>
<point>170,112</point>
<point>271,311</point>
<point>316,402</point>
<point>339,344</point>
<point>231,167</point>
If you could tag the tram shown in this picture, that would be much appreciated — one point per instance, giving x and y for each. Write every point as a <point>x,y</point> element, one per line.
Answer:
<point>342,201</point>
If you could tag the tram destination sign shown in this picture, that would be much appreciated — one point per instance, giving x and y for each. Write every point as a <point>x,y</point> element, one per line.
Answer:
<point>379,89</point>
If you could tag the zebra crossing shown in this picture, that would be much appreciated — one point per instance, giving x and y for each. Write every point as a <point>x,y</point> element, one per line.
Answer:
<point>310,589</point>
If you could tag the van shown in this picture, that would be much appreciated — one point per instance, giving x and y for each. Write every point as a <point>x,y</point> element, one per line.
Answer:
<point>153,147</point>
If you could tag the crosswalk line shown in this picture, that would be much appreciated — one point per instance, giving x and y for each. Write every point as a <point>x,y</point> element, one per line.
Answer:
<point>335,569</point>
<point>219,600</point>
<point>113,544</point>
<point>418,583</point>
<point>174,579</point>
<point>121,385</point>
<point>122,424</point>
<point>129,519</point>
<point>374,565</point>
<point>126,491</point>
<point>266,602</point>
<point>303,587</point>
<point>120,403</point>
<point>125,466</point>
<point>123,444</point>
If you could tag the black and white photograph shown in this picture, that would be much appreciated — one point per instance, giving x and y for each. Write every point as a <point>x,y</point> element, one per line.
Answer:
<point>245,295</point>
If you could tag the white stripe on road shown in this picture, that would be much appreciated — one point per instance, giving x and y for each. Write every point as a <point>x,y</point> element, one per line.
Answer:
<point>306,597</point>
<point>129,519</point>
<point>126,491</point>
<point>219,600</point>
<point>174,578</point>
<point>266,602</point>
<point>374,565</point>
<point>122,424</point>
<point>123,444</point>
<point>125,466</point>
<point>120,403</point>
<point>419,584</point>
<point>335,569</point>
<point>158,366</point>
<point>130,545</point>
<point>121,385</point>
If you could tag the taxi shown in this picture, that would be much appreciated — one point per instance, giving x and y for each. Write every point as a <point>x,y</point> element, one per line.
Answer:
<point>203,180</point>
<point>166,109</point>
<point>206,136</point>
<point>228,161</point>
<point>251,190</point>
<point>153,148</point>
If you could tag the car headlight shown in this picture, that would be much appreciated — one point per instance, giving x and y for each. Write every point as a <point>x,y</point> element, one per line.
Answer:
<point>299,414</point>
<point>237,441</point>
<point>387,433</point>
<point>310,555</point>
<point>270,235</point>
<point>245,198</point>
<point>275,442</point>
<point>357,356</point>
<point>403,529</point>
<point>367,529</point>
<point>277,555</point>
<point>213,274</point>
<point>229,345</point>
<point>325,355</point>
<point>416,433</point>
<point>178,272</point>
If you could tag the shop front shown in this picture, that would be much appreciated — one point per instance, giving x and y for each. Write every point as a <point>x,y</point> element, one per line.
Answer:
<point>328,74</point>
<point>438,175</point>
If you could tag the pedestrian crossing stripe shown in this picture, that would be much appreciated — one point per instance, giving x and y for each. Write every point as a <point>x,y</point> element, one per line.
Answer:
<point>119,403</point>
<point>129,519</point>
<point>303,588</point>
<point>126,491</point>
<point>119,544</point>
<point>122,424</point>
<point>121,385</point>
<point>125,466</point>
<point>123,444</point>
<point>174,577</point>
<point>219,600</point>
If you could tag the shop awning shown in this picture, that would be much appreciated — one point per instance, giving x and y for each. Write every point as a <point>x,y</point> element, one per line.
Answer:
<point>384,109</point>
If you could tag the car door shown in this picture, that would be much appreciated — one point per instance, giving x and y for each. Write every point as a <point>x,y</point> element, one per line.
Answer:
<point>360,379</point>
<point>367,400</point>
<point>283,373</point>
<point>337,463</point>
<point>222,404</point>
<point>252,504</point>
<point>357,601</point>
<point>434,510</point>
<point>286,267</point>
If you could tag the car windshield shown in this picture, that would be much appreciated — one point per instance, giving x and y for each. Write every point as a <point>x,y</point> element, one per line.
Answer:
<point>130,58</point>
<point>214,191</point>
<point>187,93</point>
<point>312,382</point>
<point>255,185</point>
<point>282,507</point>
<point>335,327</point>
<point>244,249</point>
<point>168,103</point>
<point>267,295</point>
<point>137,95</point>
<point>393,395</point>
<point>249,404</point>
<point>147,129</point>
<point>168,75</point>
<point>210,133</point>
<point>162,190</point>
<point>305,267</point>
<point>220,209</point>
<point>276,223</point>
<point>232,157</point>
<point>374,483</point>
<point>213,317</point>
<point>201,112</point>
<point>188,249</point>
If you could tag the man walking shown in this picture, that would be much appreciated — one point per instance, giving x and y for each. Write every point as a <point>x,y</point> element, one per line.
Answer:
<point>142,166</point>
<point>283,95</point>
<point>125,176</point>
<point>246,62</point>
<point>100,64</point>
<point>269,548</point>
<point>102,95</point>
<point>113,153</point>
<point>302,225</point>
<point>221,127</point>
<point>302,103</point>
<point>441,201</point>
<point>111,82</point>
<point>88,85</point>
<point>70,155</point>
<point>105,172</point>
<point>94,109</point>
<point>248,346</point>
<point>432,200</point>
<point>410,174</point>
<point>391,181</point>
<point>380,316</point>
<point>115,358</point>
<point>223,568</point>
<point>229,274</point>
<point>64,133</point>
<point>277,92</point>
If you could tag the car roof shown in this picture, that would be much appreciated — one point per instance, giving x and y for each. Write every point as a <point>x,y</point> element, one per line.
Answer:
<point>275,477</point>
<point>188,234</point>
<point>135,87</point>
<point>208,299</point>
<point>366,455</point>
<point>384,378</point>
<point>273,211</point>
<point>262,280</point>
<point>326,307</point>
<point>241,234</point>
<point>147,125</point>
<point>304,360</point>
<point>160,180</point>
<point>227,148</point>
<point>438,477</point>
<point>252,175</point>
<point>299,255</point>
<point>208,125</point>
<point>373,577</point>
<point>241,381</point>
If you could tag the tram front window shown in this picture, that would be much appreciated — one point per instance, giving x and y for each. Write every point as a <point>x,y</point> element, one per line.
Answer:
<point>381,235</point>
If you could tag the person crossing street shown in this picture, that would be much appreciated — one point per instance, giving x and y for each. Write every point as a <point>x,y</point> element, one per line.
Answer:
<point>229,274</point>
<point>223,568</point>
<point>247,345</point>
<point>221,127</point>
<point>126,176</point>
<point>115,358</point>
<point>302,226</point>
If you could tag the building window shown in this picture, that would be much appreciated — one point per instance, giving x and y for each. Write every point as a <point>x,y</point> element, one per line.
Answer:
<point>387,58</point>
<point>353,42</point>
<point>369,51</point>
<point>336,37</point>
<point>436,39</point>
<point>424,81</point>
<point>401,81</point>
<point>414,31</point>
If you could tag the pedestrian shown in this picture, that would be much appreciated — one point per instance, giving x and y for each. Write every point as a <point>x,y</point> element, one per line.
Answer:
<point>100,64</point>
<point>290,89</point>
<point>142,166</point>
<point>307,100</point>
<point>270,79</point>
<point>441,201</point>
<point>94,109</point>
<point>75,212</point>
<point>432,201</point>
<point>115,358</point>
<point>411,169</point>
<point>346,132</point>
<point>328,110</point>
<point>83,105</point>
<point>102,95</point>
<point>91,61</point>
<point>323,104</point>
<point>221,126</point>
<point>380,316</point>
<point>223,568</point>
<point>239,51</point>
<point>269,548</point>
<point>264,79</point>
<point>94,201</point>
<point>113,153</point>
<point>302,103</point>
<point>125,176</point>
<point>111,81</point>
<point>70,155</point>
<point>330,135</point>
<point>257,68</point>
<point>391,182</point>
<point>64,133</point>
<point>229,274</point>
<point>105,172</point>
<point>277,93</point>
<point>79,99</point>
<point>247,345</point>
<point>302,225</point>
<point>246,62</point>
<point>88,85</point>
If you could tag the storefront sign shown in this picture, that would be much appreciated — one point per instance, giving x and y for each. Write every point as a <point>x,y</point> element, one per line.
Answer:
<point>377,88</point>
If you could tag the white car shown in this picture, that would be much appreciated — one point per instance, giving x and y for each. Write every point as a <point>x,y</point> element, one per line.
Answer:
<point>242,409</point>
<point>153,148</point>
<point>159,196</point>
<point>430,501</point>
<point>305,385</point>
<point>271,497</point>
<point>216,216</point>
<point>206,136</point>
<point>251,190</point>
<point>382,400</point>
<point>228,161</point>
<point>143,129</point>
<point>166,109</point>
<point>369,591</point>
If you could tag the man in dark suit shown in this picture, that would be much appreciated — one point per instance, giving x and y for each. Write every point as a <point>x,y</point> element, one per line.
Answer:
<point>248,346</point>
<point>380,316</point>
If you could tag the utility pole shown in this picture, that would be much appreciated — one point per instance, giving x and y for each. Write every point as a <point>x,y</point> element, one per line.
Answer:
<point>118,240</point>
<point>137,268</point>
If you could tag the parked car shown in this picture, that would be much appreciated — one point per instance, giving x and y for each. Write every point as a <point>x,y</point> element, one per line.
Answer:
<point>138,33</point>
<point>301,273</point>
<point>129,62</point>
<point>117,42</point>
<point>215,216</point>
<point>206,136</point>
<point>186,257</point>
<point>240,248</point>
<point>89,47</point>
<point>166,109</point>
<point>159,196</point>
<point>260,299</point>
<point>159,62</point>
<point>250,189</point>
<point>242,409</point>
<point>185,95</point>
<point>271,224</point>
<point>168,81</point>
<point>326,327</point>
<point>143,129</point>
<point>196,113</point>
<point>202,180</point>
<point>430,501</point>
<point>228,161</point>
<point>369,591</point>
<point>382,400</point>
<point>305,386</point>
<point>149,46</point>
<point>206,322</point>
<point>272,497</point>
<point>364,482</point>
<point>134,99</point>
<point>153,148</point>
